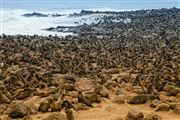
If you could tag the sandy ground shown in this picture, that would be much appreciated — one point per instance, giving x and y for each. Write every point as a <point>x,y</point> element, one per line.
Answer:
<point>112,111</point>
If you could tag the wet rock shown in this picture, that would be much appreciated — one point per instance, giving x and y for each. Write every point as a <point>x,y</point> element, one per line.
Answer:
<point>55,116</point>
<point>135,114</point>
<point>162,107</point>
<point>152,116</point>
<point>18,111</point>
<point>35,14</point>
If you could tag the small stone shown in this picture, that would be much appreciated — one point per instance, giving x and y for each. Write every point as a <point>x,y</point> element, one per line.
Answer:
<point>162,107</point>
<point>18,111</point>
<point>152,116</point>
<point>135,114</point>
<point>55,116</point>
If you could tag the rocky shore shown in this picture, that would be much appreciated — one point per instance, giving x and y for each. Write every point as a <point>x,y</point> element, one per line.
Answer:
<point>114,70</point>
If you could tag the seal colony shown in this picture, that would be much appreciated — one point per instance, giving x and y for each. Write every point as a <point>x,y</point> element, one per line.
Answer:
<point>128,64</point>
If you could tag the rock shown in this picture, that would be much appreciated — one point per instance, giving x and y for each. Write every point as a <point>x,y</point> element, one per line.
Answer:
<point>152,116</point>
<point>155,103</point>
<point>55,116</point>
<point>44,106</point>
<point>177,109</point>
<point>35,14</point>
<point>162,107</point>
<point>135,114</point>
<point>18,111</point>
<point>118,100</point>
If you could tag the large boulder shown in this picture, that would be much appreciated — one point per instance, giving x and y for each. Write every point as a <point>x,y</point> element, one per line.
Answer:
<point>135,114</point>
<point>18,111</point>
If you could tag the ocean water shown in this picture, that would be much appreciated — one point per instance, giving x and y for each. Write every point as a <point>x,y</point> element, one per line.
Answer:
<point>12,22</point>
<point>88,4</point>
